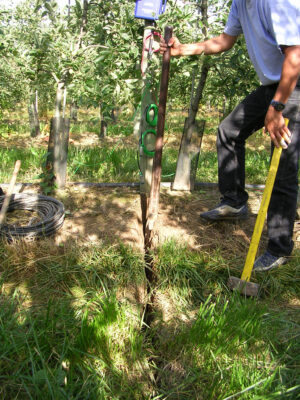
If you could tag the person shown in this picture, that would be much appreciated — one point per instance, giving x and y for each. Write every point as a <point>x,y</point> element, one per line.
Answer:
<point>272,33</point>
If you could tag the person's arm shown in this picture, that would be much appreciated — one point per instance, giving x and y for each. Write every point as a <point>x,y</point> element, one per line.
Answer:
<point>274,121</point>
<point>215,45</point>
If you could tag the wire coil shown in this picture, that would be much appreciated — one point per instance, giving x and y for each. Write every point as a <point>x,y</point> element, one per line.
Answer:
<point>51,213</point>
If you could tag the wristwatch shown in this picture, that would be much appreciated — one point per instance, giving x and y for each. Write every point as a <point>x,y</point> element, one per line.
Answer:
<point>277,105</point>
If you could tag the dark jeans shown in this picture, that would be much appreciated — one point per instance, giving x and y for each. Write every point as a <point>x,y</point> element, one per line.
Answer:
<point>244,120</point>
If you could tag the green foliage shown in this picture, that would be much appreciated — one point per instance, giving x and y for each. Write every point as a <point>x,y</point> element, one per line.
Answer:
<point>232,76</point>
<point>43,42</point>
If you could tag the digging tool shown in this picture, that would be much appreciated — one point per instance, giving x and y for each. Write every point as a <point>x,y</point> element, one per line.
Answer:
<point>243,284</point>
<point>9,193</point>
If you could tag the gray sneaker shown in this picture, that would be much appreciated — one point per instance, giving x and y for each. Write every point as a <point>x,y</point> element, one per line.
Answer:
<point>267,261</point>
<point>225,212</point>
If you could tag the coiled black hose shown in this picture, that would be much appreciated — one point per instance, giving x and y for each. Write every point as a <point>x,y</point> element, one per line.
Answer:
<point>51,213</point>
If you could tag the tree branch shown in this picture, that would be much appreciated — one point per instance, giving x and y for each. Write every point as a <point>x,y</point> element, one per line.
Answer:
<point>55,77</point>
<point>82,32</point>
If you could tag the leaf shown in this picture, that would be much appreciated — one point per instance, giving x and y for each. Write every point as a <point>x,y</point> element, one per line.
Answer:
<point>125,36</point>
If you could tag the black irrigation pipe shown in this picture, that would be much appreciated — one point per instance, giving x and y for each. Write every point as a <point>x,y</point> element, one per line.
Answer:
<point>50,218</point>
<point>163,184</point>
<point>19,186</point>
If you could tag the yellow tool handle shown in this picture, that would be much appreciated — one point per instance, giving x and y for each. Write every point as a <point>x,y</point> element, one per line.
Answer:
<point>259,224</point>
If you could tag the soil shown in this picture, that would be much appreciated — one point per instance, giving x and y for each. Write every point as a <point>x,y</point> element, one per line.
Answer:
<point>113,215</point>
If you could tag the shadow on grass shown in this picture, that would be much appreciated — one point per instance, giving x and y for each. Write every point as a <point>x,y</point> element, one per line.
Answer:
<point>64,333</point>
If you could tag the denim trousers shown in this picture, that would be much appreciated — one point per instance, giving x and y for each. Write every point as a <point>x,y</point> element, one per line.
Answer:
<point>233,131</point>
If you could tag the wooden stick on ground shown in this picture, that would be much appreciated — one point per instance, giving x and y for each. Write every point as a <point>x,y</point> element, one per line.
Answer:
<point>9,193</point>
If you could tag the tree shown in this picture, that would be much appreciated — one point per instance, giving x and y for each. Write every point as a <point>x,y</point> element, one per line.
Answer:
<point>67,35</point>
<point>88,54</point>
<point>232,76</point>
<point>113,79</point>
<point>11,91</point>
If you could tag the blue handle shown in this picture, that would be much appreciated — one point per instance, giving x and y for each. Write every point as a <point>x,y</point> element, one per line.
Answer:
<point>164,7</point>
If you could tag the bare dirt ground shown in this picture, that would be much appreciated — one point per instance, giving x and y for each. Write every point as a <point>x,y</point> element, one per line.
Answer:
<point>113,215</point>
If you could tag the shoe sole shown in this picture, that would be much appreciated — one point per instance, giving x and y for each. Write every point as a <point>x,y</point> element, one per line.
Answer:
<point>262,269</point>
<point>225,218</point>
<point>259,269</point>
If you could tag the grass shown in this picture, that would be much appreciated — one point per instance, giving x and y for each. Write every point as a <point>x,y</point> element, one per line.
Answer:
<point>65,336</point>
<point>116,160</point>
<point>118,163</point>
<point>71,312</point>
<point>70,327</point>
<point>257,165</point>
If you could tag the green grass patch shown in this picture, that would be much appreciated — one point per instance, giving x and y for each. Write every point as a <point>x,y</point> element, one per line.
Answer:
<point>71,327</point>
<point>120,164</point>
<point>233,348</point>
<point>31,158</point>
<point>104,164</point>
<point>256,166</point>
<point>8,128</point>
<point>115,162</point>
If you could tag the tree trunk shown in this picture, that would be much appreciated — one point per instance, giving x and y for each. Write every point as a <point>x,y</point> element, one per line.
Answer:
<point>58,141</point>
<point>34,115</point>
<point>74,111</point>
<point>64,102</point>
<point>199,93</point>
<point>59,130</point>
<point>59,133</point>
<point>115,114</point>
<point>103,123</point>
<point>190,126</point>
<point>188,157</point>
<point>103,129</point>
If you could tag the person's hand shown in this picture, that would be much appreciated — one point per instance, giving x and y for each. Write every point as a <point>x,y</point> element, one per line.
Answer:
<point>174,45</point>
<point>278,131</point>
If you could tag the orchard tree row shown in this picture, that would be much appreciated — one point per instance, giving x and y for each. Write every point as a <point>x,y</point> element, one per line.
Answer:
<point>89,53</point>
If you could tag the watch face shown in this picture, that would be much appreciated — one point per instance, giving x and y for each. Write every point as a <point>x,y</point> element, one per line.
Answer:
<point>277,105</point>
